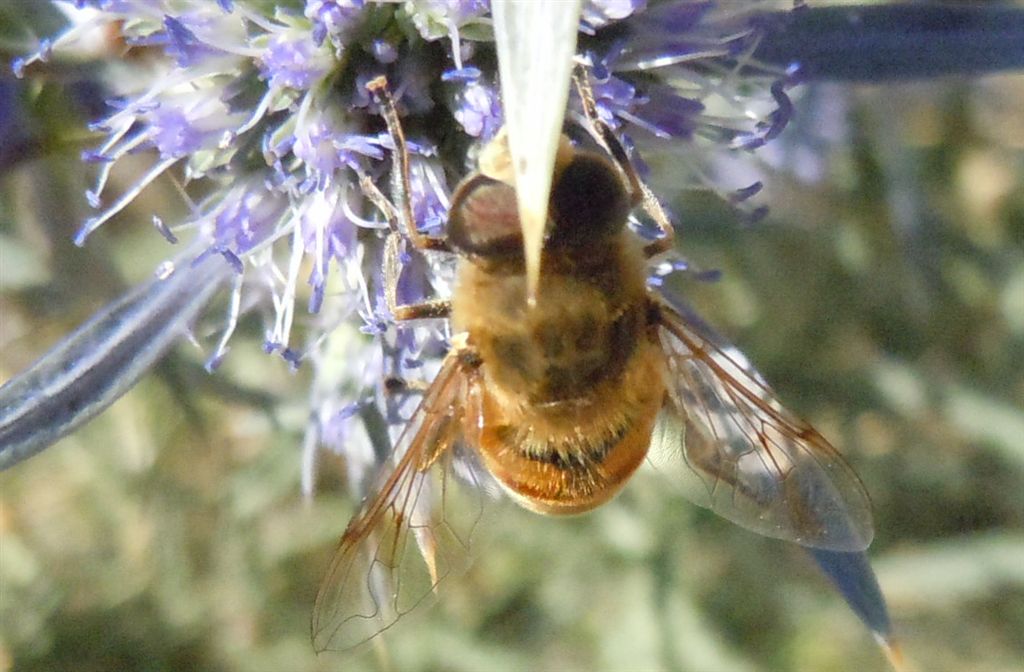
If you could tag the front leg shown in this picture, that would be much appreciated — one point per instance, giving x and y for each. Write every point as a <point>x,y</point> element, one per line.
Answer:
<point>393,215</point>
<point>400,180</point>
<point>403,312</point>
<point>640,192</point>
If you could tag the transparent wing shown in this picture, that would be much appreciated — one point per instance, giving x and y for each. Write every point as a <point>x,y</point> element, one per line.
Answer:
<point>726,438</point>
<point>376,574</point>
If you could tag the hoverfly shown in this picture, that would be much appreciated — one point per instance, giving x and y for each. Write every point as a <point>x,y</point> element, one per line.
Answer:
<point>561,401</point>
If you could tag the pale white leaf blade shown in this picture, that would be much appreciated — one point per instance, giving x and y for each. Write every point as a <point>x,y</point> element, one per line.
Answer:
<point>536,42</point>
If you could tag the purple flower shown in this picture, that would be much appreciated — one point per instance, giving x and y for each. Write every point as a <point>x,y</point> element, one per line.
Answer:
<point>478,110</point>
<point>599,13</point>
<point>267,116</point>
<point>333,18</point>
<point>292,61</point>
<point>262,110</point>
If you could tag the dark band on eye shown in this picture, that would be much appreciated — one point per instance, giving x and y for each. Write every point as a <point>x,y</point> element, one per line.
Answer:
<point>484,219</point>
<point>589,201</point>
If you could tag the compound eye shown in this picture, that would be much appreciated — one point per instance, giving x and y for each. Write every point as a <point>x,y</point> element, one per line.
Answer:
<point>484,219</point>
<point>589,201</point>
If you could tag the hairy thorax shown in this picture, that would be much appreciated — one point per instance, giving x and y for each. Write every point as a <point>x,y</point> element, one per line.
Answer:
<point>572,384</point>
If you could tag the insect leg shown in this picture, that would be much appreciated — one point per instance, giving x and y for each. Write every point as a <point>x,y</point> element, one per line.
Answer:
<point>406,311</point>
<point>400,171</point>
<point>393,265</point>
<point>400,218</point>
<point>395,385</point>
<point>641,193</point>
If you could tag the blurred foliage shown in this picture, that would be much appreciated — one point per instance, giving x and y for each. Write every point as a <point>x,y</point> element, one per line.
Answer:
<point>884,298</point>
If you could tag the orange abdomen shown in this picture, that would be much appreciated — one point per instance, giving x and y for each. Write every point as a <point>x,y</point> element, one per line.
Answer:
<point>569,457</point>
<point>570,388</point>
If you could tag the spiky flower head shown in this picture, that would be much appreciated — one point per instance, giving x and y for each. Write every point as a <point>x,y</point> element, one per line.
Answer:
<point>261,111</point>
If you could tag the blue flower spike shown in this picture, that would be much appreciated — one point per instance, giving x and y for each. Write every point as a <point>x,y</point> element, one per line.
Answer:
<point>853,578</point>
<point>104,358</point>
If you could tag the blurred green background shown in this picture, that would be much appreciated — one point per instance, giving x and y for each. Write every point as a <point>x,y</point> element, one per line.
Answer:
<point>884,299</point>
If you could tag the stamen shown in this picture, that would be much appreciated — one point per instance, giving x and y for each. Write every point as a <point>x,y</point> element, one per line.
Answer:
<point>234,310</point>
<point>95,222</point>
